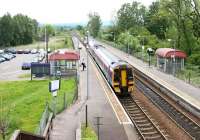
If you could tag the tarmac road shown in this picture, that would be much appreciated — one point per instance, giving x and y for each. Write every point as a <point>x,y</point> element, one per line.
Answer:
<point>11,70</point>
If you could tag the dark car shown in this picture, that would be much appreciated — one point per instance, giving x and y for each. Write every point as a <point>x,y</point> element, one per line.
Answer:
<point>20,52</point>
<point>26,66</point>
<point>27,51</point>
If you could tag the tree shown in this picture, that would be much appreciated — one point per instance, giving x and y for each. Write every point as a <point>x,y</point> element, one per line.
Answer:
<point>94,24</point>
<point>130,15</point>
<point>6,30</point>
<point>156,20</point>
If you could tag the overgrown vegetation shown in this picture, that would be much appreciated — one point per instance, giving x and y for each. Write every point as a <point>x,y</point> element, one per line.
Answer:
<point>87,133</point>
<point>164,24</point>
<point>26,100</point>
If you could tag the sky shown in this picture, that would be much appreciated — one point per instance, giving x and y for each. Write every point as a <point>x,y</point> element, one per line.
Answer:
<point>64,11</point>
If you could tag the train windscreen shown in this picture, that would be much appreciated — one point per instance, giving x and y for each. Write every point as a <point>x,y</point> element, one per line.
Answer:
<point>130,74</point>
<point>116,75</point>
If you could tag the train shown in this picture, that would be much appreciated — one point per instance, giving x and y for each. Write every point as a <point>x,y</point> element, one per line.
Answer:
<point>117,72</point>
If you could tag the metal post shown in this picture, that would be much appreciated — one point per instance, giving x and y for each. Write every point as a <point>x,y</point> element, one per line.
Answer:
<point>174,60</point>
<point>46,44</point>
<point>54,108</point>
<point>65,103</point>
<point>86,116</point>
<point>189,75</point>
<point>87,69</point>
<point>149,60</point>
<point>98,126</point>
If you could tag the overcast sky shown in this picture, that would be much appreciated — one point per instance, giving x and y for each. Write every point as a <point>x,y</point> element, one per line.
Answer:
<point>63,11</point>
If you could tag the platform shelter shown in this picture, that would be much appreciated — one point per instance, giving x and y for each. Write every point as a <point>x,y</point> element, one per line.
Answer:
<point>64,62</point>
<point>170,60</point>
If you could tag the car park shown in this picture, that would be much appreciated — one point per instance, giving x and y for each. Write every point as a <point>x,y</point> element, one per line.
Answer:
<point>26,66</point>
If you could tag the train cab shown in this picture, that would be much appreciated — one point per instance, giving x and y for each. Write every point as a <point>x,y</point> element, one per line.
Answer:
<point>123,80</point>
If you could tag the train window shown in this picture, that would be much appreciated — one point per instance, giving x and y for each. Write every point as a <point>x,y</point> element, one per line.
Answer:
<point>116,75</point>
<point>130,74</point>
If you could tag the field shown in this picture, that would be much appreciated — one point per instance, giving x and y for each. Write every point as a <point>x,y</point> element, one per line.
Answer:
<point>25,101</point>
<point>56,42</point>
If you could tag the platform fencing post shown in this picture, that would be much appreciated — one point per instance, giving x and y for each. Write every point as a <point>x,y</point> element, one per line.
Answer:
<point>86,116</point>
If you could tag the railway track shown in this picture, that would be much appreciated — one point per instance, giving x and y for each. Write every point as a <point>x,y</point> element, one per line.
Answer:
<point>143,123</point>
<point>180,118</point>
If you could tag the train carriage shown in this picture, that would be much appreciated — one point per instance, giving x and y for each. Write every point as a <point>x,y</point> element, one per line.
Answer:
<point>117,72</point>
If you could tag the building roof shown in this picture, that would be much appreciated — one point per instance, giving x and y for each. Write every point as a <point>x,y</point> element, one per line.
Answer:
<point>64,55</point>
<point>168,52</point>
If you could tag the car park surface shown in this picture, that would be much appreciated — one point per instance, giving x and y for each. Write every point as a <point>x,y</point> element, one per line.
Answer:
<point>11,70</point>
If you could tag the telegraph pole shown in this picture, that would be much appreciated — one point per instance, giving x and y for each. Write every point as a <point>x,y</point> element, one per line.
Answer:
<point>46,43</point>
<point>87,65</point>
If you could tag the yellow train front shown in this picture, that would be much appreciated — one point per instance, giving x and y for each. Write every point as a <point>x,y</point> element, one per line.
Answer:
<point>122,82</point>
<point>117,72</point>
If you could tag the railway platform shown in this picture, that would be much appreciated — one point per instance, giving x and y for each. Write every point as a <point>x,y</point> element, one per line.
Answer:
<point>189,96</point>
<point>66,123</point>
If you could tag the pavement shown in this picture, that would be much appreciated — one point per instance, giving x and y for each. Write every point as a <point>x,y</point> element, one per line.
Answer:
<point>11,70</point>
<point>66,123</point>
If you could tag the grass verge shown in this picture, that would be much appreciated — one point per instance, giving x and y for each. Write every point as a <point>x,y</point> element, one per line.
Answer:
<point>87,133</point>
<point>25,101</point>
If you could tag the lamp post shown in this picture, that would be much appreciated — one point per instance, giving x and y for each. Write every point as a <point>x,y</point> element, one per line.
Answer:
<point>87,66</point>
<point>128,44</point>
<point>113,37</point>
<point>173,56</point>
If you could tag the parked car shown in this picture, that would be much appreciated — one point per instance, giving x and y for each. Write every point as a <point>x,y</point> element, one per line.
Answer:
<point>20,51</point>
<point>27,51</point>
<point>34,51</point>
<point>26,66</point>
<point>10,50</point>
<point>11,55</point>
<point>1,51</point>
<point>6,56</point>
<point>2,59</point>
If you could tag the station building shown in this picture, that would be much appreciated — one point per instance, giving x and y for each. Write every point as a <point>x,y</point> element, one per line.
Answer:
<point>170,60</point>
<point>64,62</point>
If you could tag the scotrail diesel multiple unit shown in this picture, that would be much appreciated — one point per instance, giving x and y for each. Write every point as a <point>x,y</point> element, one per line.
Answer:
<point>117,72</point>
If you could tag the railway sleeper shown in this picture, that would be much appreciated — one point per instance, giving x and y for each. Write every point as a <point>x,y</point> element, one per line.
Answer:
<point>151,133</point>
<point>144,129</point>
<point>142,121</point>
<point>155,137</point>
<point>131,109</point>
<point>136,114</point>
<point>136,111</point>
<point>140,118</point>
<point>144,125</point>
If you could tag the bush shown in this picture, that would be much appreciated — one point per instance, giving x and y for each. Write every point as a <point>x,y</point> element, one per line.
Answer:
<point>194,59</point>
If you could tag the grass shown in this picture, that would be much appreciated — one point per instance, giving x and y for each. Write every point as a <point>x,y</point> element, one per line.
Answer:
<point>26,100</point>
<point>55,42</point>
<point>87,133</point>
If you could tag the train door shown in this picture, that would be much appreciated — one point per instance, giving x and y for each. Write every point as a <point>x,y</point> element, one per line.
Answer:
<point>123,78</point>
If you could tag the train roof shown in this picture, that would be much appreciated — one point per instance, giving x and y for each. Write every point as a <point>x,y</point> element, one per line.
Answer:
<point>108,57</point>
